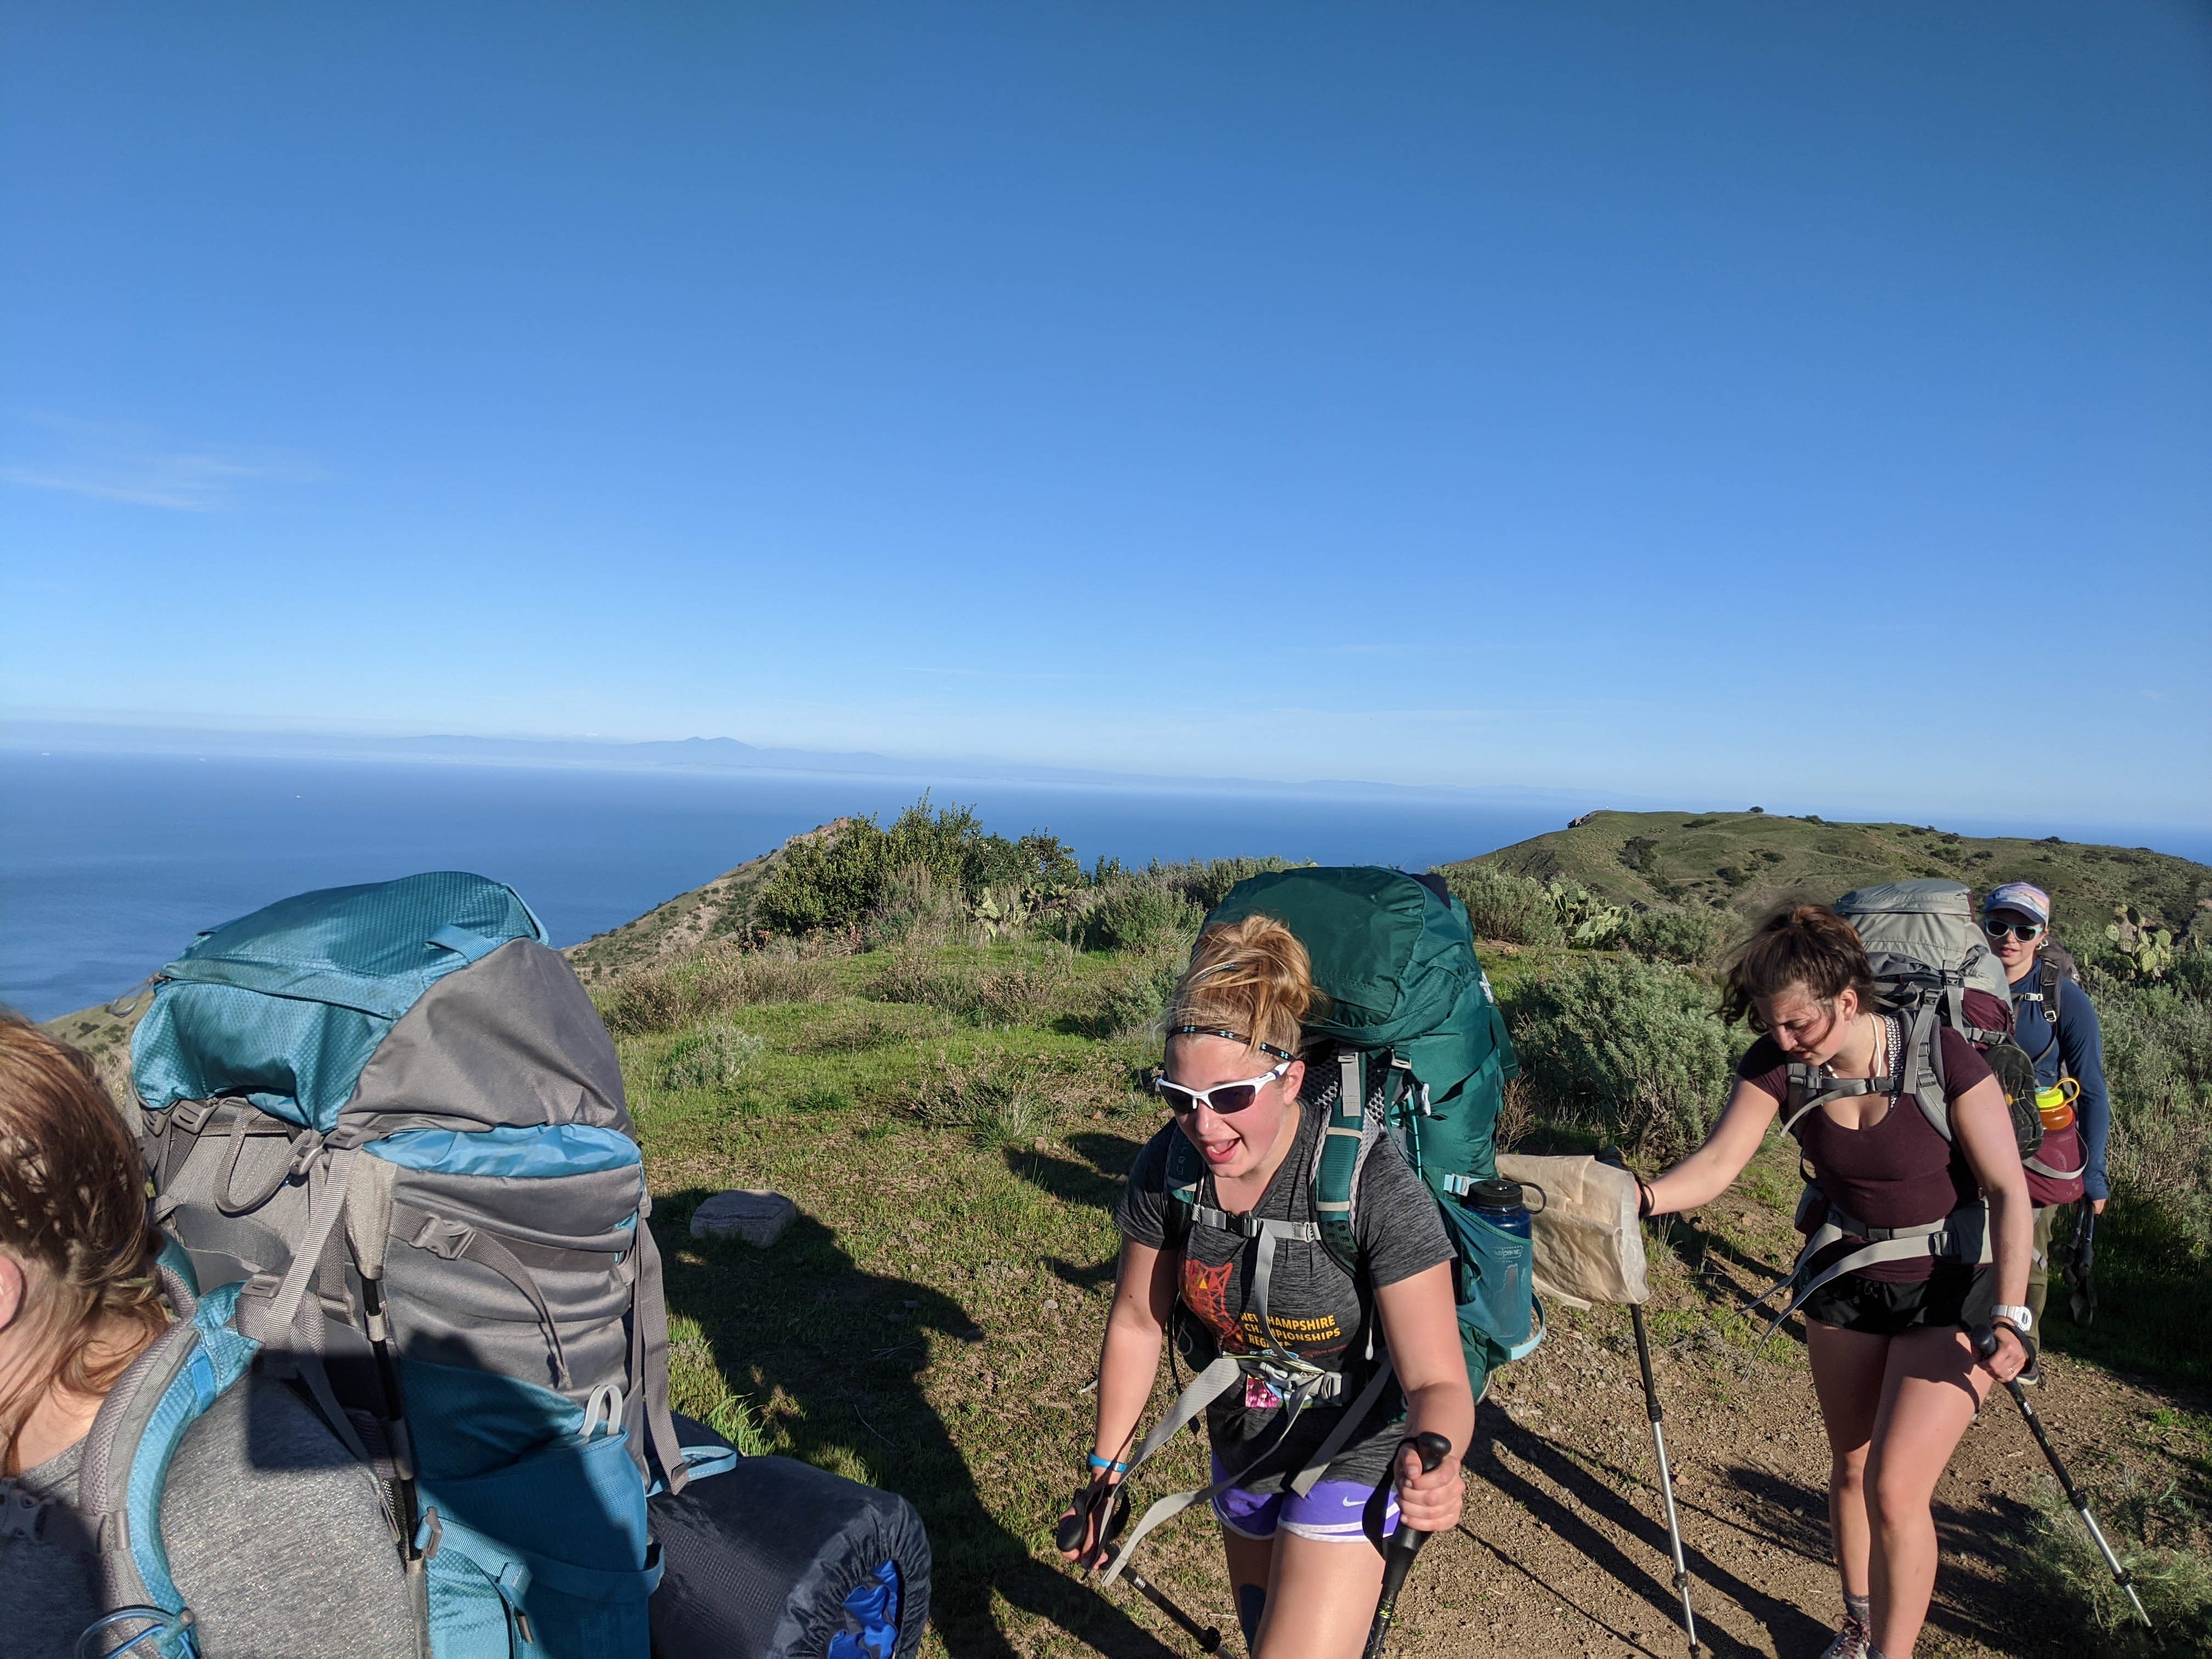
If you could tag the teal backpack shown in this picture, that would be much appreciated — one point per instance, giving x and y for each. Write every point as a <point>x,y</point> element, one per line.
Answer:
<point>1414,1034</point>
<point>388,1141</point>
<point>1422,1055</point>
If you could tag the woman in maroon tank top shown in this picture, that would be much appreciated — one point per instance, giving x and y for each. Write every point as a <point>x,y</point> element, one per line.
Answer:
<point>1893,1367</point>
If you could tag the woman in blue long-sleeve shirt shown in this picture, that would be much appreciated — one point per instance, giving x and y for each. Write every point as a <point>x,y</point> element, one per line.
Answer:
<point>2016,918</point>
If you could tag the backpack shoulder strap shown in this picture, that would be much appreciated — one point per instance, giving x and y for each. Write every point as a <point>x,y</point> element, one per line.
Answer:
<point>1339,1156</point>
<point>1920,1069</point>
<point>127,1456</point>
<point>2048,979</point>
<point>1182,1183</point>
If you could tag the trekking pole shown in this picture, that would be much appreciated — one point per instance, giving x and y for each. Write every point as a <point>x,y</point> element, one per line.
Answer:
<point>1405,1544</point>
<point>1070,1537</point>
<point>2080,1263</point>
<point>1666,1476</point>
<point>1611,1156</point>
<point>1985,1344</point>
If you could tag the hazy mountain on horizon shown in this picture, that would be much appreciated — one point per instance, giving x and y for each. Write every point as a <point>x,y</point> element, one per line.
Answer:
<point>711,754</point>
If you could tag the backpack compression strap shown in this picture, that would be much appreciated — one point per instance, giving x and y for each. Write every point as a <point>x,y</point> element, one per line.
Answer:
<point>1955,1001</point>
<point>126,1461</point>
<point>2046,991</point>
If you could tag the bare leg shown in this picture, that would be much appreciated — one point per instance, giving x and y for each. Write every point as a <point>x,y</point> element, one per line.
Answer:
<point>1847,1368</point>
<point>1320,1600</point>
<point>1251,1561</point>
<point>1930,1394</point>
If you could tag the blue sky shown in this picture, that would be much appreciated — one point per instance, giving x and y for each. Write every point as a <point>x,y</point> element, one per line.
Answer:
<point>1690,401</point>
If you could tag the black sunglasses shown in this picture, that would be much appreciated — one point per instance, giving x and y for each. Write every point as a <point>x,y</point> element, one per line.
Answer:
<point>1222,1098</point>
<point>2023,930</point>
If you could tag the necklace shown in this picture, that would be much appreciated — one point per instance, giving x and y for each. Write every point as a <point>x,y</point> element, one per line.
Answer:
<point>1875,1047</point>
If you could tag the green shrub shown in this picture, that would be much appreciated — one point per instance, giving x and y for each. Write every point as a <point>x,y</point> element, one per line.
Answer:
<point>928,979</point>
<point>1142,913</point>
<point>834,881</point>
<point>1206,881</point>
<point>644,999</point>
<point>739,979</point>
<point>714,1056</point>
<point>912,907</point>
<point>660,997</point>
<point>1636,1050</point>
<point>2155,1241</point>
<point>1688,938</point>
<point>1134,1002</point>
<point>2057,1566</point>
<point>1503,906</point>
<point>999,1098</point>
<point>828,882</point>
<point>1020,994</point>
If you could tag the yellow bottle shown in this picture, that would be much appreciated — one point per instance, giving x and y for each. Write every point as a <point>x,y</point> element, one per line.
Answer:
<point>2055,1105</point>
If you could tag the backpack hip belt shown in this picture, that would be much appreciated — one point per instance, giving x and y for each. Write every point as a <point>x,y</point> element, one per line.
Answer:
<point>1962,1236</point>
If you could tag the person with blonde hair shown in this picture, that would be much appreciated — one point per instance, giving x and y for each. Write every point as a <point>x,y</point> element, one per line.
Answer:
<point>274,1535</point>
<point>1312,1467</point>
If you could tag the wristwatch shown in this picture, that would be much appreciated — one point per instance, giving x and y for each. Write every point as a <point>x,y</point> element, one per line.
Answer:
<point>2022,1320</point>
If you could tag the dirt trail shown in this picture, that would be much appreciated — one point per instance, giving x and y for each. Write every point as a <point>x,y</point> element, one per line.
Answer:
<point>1565,1546</point>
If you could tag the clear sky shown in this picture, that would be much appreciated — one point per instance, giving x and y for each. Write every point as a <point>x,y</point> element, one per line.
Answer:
<point>1806,402</point>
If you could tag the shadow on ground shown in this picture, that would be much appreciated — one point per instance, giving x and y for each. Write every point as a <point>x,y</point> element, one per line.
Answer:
<point>840,1350</point>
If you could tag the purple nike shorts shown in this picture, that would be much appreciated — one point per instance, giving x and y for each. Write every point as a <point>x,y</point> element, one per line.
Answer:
<point>1330,1511</point>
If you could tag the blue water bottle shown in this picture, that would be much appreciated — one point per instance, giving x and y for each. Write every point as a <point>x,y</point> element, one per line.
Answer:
<point>1501,1239</point>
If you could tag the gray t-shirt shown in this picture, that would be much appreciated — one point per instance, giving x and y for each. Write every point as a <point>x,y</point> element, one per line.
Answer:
<point>275,1536</point>
<point>1318,1311</point>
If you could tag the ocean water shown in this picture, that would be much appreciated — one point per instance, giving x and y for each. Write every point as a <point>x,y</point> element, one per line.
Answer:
<point>109,864</point>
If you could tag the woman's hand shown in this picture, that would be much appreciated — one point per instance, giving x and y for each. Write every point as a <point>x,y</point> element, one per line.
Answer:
<point>2011,1357</point>
<point>1091,1506</point>
<point>1429,1500</point>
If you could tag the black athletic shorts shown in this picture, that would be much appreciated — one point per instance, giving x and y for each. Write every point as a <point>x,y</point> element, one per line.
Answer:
<point>1956,1295</point>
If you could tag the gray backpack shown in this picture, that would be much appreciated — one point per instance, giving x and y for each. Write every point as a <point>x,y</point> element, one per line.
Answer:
<point>388,1126</point>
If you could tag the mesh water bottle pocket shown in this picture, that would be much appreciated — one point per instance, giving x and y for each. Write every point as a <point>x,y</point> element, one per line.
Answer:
<point>1497,1295</point>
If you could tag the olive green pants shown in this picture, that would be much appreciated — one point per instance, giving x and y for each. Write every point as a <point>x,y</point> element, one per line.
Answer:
<point>2038,1266</point>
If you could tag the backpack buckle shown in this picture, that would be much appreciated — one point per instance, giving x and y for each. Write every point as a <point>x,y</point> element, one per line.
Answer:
<point>190,1114</point>
<point>442,1238</point>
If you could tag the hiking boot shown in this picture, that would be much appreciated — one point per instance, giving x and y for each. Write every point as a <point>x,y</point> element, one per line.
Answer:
<point>1851,1641</point>
<point>2031,1375</point>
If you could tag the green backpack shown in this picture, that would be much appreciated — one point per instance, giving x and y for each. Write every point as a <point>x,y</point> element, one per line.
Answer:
<point>1415,1031</point>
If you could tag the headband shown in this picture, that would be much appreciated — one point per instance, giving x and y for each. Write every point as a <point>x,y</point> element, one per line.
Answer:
<point>1234,1037</point>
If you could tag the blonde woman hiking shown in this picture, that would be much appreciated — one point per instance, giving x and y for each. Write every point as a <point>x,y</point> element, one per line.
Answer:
<point>1239,1271</point>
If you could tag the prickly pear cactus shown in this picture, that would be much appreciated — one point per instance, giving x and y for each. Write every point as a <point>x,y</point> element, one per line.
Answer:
<point>1585,918</point>
<point>2147,947</point>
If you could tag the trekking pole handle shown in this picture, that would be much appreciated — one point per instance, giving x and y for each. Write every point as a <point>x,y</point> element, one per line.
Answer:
<point>1405,1543</point>
<point>1075,1525</point>
<point>1984,1338</point>
<point>1432,1449</point>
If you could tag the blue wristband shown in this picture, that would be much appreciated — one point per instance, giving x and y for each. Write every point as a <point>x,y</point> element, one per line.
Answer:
<point>1107,1464</point>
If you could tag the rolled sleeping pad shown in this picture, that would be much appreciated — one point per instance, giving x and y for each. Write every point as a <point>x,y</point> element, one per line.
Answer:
<point>777,1559</point>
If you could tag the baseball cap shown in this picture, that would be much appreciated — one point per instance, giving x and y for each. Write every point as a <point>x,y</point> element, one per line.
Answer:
<point>2024,896</point>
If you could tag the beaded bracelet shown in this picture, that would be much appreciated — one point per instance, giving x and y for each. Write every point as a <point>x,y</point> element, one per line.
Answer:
<point>1107,1464</point>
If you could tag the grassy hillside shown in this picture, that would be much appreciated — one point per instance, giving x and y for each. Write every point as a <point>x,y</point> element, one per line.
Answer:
<point>945,1076</point>
<point>1749,862</point>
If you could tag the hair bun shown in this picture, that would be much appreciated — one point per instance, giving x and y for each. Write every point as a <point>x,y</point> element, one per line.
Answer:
<point>1250,976</point>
